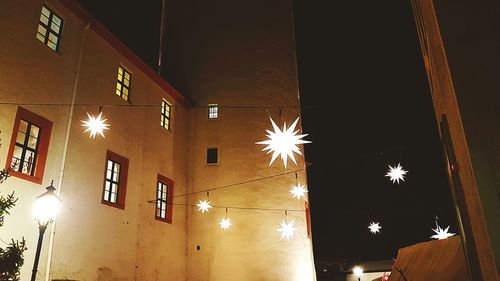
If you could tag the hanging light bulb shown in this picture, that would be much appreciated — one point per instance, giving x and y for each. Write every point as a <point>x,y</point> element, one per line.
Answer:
<point>95,125</point>
<point>396,173</point>
<point>298,191</point>
<point>374,227</point>
<point>203,206</point>
<point>441,233</point>
<point>283,142</point>
<point>225,223</point>
<point>287,229</point>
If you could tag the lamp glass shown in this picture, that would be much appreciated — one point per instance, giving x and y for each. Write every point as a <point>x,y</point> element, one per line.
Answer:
<point>46,207</point>
<point>358,271</point>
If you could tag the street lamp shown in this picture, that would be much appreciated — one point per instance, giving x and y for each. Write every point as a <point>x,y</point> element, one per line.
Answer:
<point>46,207</point>
<point>358,271</point>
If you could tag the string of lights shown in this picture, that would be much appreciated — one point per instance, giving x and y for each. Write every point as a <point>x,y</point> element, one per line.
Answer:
<point>234,207</point>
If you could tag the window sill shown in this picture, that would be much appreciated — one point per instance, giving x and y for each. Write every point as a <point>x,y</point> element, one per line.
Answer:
<point>35,179</point>
<point>115,205</point>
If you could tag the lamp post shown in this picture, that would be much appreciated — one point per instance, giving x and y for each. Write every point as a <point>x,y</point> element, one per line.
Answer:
<point>358,271</point>
<point>46,207</point>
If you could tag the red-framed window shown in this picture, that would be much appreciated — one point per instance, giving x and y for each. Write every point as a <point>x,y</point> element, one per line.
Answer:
<point>115,180</point>
<point>308,219</point>
<point>29,145</point>
<point>164,196</point>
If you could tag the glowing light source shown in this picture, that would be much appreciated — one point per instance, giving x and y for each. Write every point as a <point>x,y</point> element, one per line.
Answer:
<point>46,207</point>
<point>358,271</point>
<point>396,173</point>
<point>441,233</point>
<point>96,125</point>
<point>283,142</point>
<point>374,227</point>
<point>225,223</point>
<point>287,230</point>
<point>203,206</point>
<point>298,191</point>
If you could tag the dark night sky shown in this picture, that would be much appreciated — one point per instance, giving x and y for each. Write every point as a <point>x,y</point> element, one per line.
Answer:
<point>366,104</point>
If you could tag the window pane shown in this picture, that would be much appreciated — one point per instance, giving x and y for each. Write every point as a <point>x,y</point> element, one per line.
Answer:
<point>116,168</point>
<point>55,28</point>
<point>32,142</point>
<point>23,126</point>
<point>110,164</point>
<point>56,20</point>
<point>34,131</point>
<point>106,195</point>
<point>28,163</point>
<point>52,45</point>
<point>108,174</point>
<point>44,19</point>
<point>42,30</point>
<point>21,137</point>
<point>45,11</point>
<point>113,198</point>
<point>108,185</point>
<point>116,177</point>
<point>53,38</point>
<point>40,37</point>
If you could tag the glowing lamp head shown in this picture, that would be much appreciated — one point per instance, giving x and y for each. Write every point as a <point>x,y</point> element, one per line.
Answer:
<point>46,206</point>
<point>358,271</point>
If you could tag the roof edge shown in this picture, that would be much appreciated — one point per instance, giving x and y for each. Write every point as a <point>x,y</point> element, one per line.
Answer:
<point>75,7</point>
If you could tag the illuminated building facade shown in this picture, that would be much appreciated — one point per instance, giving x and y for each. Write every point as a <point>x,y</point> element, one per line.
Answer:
<point>128,199</point>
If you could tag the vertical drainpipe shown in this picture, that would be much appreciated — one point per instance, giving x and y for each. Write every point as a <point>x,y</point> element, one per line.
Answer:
<point>65,150</point>
<point>162,37</point>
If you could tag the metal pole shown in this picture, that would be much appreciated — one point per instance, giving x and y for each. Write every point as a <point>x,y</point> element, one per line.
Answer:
<point>38,249</point>
<point>162,37</point>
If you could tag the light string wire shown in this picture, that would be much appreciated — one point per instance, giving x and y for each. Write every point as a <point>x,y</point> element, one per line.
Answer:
<point>234,207</point>
<point>147,105</point>
<point>238,183</point>
<point>207,191</point>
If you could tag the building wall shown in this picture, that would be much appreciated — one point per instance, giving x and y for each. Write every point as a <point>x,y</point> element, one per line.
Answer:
<point>460,46</point>
<point>92,241</point>
<point>242,57</point>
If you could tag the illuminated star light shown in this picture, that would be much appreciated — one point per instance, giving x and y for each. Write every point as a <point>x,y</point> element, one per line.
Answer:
<point>287,230</point>
<point>283,142</point>
<point>374,227</point>
<point>203,206</point>
<point>441,233</point>
<point>397,173</point>
<point>298,191</point>
<point>225,223</point>
<point>95,125</point>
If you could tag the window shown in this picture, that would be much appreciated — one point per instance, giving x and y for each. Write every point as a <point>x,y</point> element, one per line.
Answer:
<point>164,193</point>
<point>166,113</point>
<point>49,29</point>
<point>115,180</point>
<point>213,111</point>
<point>212,156</point>
<point>123,83</point>
<point>28,146</point>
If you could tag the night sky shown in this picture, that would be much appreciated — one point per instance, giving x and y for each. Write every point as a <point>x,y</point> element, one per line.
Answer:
<point>365,104</point>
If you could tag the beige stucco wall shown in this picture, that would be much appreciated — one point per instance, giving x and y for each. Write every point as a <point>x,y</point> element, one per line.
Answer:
<point>241,57</point>
<point>92,241</point>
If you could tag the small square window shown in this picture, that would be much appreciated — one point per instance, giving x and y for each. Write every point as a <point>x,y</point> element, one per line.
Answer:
<point>115,180</point>
<point>213,111</point>
<point>49,29</point>
<point>212,156</point>
<point>166,113</point>
<point>123,83</point>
